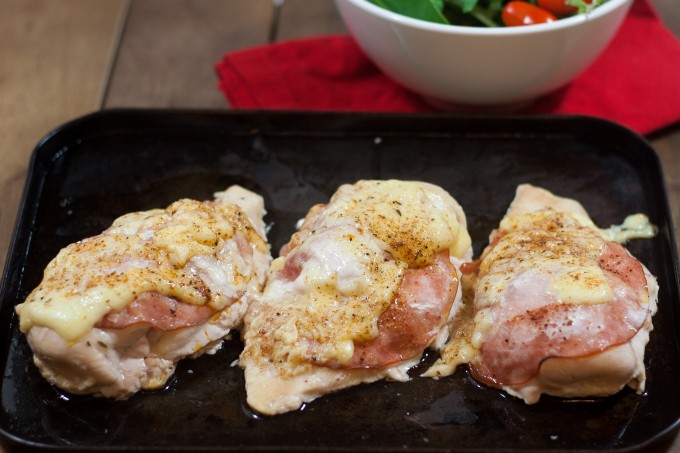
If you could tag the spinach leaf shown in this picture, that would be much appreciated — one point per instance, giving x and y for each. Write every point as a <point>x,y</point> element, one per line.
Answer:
<point>429,10</point>
<point>485,12</point>
<point>468,5</point>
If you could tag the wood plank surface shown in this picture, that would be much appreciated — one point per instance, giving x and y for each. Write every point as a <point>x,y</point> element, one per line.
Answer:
<point>169,49</point>
<point>305,18</point>
<point>667,147</point>
<point>669,13</point>
<point>54,57</point>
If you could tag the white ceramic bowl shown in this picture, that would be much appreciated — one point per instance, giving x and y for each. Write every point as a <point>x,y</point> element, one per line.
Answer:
<point>454,65</point>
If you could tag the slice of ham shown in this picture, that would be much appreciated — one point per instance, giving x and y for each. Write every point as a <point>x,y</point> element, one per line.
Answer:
<point>161,312</point>
<point>414,318</point>
<point>293,266</point>
<point>618,263</point>
<point>167,313</point>
<point>530,327</point>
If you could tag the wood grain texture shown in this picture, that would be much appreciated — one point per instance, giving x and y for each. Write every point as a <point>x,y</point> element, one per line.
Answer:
<point>305,18</point>
<point>54,56</point>
<point>667,147</point>
<point>169,49</point>
<point>669,13</point>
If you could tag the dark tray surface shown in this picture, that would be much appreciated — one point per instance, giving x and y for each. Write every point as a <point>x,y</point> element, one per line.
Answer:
<point>94,169</point>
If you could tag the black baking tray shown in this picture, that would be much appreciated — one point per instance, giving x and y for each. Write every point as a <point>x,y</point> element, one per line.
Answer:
<point>92,170</point>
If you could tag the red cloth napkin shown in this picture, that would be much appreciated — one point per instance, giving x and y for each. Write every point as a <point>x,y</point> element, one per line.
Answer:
<point>636,82</point>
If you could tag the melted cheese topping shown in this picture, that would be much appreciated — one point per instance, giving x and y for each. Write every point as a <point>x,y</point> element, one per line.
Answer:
<point>463,343</point>
<point>413,223</point>
<point>635,226</point>
<point>337,299</point>
<point>352,255</point>
<point>140,252</point>
<point>562,246</point>
<point>547,250</point>
<point>558,244</point>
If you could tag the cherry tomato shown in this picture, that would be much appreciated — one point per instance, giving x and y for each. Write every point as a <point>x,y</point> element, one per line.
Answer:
<point>518,12</point>
<point>557,7</point>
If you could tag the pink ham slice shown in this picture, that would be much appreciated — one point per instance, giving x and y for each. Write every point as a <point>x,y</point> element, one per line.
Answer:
<point>414,318</point>
<point>617,262</point>
<point>531,327</point>
<point>165,313</point>
<point>161,312</point>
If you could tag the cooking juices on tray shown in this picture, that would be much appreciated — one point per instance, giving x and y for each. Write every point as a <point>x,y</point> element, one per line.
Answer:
<point>372,279</point>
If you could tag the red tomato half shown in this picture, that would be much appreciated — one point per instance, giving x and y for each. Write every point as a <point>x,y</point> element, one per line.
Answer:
<point>557,7</point>
<point>518,12</point>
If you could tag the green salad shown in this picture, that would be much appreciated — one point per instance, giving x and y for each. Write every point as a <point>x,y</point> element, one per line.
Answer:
<point>489,13</point>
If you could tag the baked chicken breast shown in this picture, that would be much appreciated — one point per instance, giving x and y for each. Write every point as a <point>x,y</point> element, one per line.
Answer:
<point>114,313</point>
<point>360,291</point>
<point>558,307</point>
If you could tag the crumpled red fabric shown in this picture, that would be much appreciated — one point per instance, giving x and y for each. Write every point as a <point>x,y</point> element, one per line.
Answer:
<point>635,82</point>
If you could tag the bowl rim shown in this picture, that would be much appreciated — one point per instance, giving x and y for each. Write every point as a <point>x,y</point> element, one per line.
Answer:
<point>600,11</point>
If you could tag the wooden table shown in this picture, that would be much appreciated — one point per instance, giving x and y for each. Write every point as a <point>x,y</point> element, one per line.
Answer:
<point>60,59</point>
